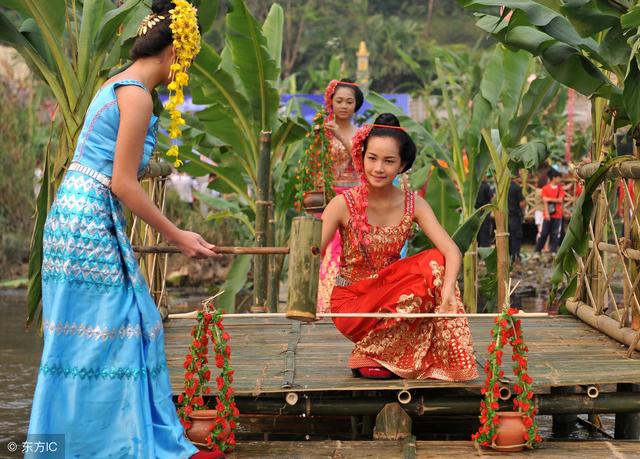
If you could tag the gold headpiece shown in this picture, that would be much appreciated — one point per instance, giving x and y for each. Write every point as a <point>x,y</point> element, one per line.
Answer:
<point>148,22</point>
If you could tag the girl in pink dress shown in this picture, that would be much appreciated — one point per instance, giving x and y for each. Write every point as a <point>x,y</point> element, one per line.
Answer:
<point>342,99</point>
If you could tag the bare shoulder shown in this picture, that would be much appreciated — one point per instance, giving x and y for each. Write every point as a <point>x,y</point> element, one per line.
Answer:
<point>134,97</point>
<point>337,209</point>
<point>421,204</point>
<point>337,204</point>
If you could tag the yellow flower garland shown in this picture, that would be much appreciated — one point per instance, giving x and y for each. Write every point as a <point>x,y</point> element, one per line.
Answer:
<point>186,41</point>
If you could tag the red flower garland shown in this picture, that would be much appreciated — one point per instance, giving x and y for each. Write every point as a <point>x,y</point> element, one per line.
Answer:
<point>507,331</point>
<point>361,192</point>
<point>197,376</point>
<point>315,170</point>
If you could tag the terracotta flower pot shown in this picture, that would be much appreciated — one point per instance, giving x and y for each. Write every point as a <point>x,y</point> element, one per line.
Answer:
<point>201,421</point>
<point>510,431</point>
<point>314,201</point>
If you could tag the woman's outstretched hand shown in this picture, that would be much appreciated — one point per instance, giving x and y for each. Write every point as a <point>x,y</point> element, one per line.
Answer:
<point>192,245</point>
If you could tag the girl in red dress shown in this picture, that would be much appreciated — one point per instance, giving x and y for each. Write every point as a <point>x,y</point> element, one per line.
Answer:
<point>375,219</point>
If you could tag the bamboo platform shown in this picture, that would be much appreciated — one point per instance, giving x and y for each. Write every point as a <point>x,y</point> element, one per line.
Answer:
<point>428,449</point>
<point>272,356</point>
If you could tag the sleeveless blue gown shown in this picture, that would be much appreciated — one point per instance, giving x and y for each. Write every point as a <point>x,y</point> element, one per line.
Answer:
<point>103,379</point>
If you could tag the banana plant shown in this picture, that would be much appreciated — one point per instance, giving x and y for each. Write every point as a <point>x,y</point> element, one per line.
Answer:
<point>589,45</point>
<point>516,103</point>
<point>237,88</point>
<point>71,46</point>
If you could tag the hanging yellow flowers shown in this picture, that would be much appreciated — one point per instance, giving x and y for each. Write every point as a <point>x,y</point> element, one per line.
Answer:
<point>186,41</point>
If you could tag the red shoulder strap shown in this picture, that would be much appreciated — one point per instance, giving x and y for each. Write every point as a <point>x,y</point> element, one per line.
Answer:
<point>409,202</point>
<point>351,204</point>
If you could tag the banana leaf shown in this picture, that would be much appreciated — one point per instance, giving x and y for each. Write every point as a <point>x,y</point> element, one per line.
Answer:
<point>236,278</point>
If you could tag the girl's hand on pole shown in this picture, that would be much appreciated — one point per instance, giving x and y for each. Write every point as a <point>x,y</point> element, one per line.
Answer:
<point>192,245</point>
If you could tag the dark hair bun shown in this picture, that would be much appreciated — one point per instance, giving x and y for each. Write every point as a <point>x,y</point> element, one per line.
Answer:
<point>161,6</point>
<point>408,148</point>
<point>387,119</point>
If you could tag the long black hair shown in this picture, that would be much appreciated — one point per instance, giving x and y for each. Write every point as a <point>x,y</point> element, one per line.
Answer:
<point>406,144</point>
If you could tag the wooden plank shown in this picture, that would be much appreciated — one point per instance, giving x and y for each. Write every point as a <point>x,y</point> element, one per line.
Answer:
<point>563,351</point>
<point>427,449</point>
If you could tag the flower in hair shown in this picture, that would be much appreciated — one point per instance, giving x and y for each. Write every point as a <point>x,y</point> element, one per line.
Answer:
<point>149,21</point>
<point>186,41</point>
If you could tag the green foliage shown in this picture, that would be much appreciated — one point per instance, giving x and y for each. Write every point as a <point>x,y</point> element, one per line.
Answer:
<point>577,42</point>
<point>318,30</point>
<point>238,88</point>
<point>24,130</point>
<point>71,47</point>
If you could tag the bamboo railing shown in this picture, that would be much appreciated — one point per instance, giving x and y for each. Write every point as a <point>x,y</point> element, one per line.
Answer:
<point>608,291</point>
<point>152,264</point>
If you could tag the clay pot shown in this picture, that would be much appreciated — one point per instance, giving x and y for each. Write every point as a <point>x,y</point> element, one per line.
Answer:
<point>510,431</point>
<point>201,421</point>
<point>314,201</point>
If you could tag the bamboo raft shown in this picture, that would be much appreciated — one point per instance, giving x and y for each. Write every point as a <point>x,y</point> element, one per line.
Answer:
<point>277,356</point>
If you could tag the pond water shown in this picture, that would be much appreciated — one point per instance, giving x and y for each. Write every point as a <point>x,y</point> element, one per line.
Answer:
<point>20,350</point>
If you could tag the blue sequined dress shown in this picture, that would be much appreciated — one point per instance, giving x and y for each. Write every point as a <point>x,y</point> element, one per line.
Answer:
<point>103,379</point>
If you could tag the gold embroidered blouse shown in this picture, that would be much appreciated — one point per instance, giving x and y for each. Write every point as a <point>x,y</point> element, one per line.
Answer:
<point>384,243</point>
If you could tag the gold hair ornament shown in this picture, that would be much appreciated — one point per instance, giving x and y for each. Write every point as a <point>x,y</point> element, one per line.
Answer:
<point>149,21</point>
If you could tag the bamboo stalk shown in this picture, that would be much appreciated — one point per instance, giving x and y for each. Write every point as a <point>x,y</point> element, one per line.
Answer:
<point>218,249</point>
<point>261,261</point>
<point>304,269</point>
<point>603,323</point>
<point>377,315</point>
<point>273,281</point>
<point>631,254</point>
<point>321,405</point>
<point>155,169</point>
<point>627,169</point>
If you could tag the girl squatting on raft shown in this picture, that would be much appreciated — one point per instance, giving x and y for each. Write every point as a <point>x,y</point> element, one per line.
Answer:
<point>374,220</point>
<point>103,378</point>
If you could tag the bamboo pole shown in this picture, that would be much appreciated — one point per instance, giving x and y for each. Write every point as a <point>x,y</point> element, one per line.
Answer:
<point>616,402</point>
<point>304,268</point>
<point>603,323</point>
<point>261,262</point>
<point>218,249</point>
<point>635,314</point>
<point>628,170</point>
<point>502,249</point>
<point>375,315</point>
<point>470,276</point>
<point>631,254</point>
<point>274,279</point>
<point>598,280</point>
<point>155,169</point>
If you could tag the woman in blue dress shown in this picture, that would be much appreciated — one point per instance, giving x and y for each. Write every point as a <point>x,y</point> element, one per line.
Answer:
<point>103,381</point>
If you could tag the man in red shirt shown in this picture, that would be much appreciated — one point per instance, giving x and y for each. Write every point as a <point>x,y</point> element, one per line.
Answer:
<point>552,198</point>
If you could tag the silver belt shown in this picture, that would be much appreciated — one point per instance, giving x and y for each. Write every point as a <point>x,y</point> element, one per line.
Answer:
<point>342,282</point>
<point>99,176</point>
